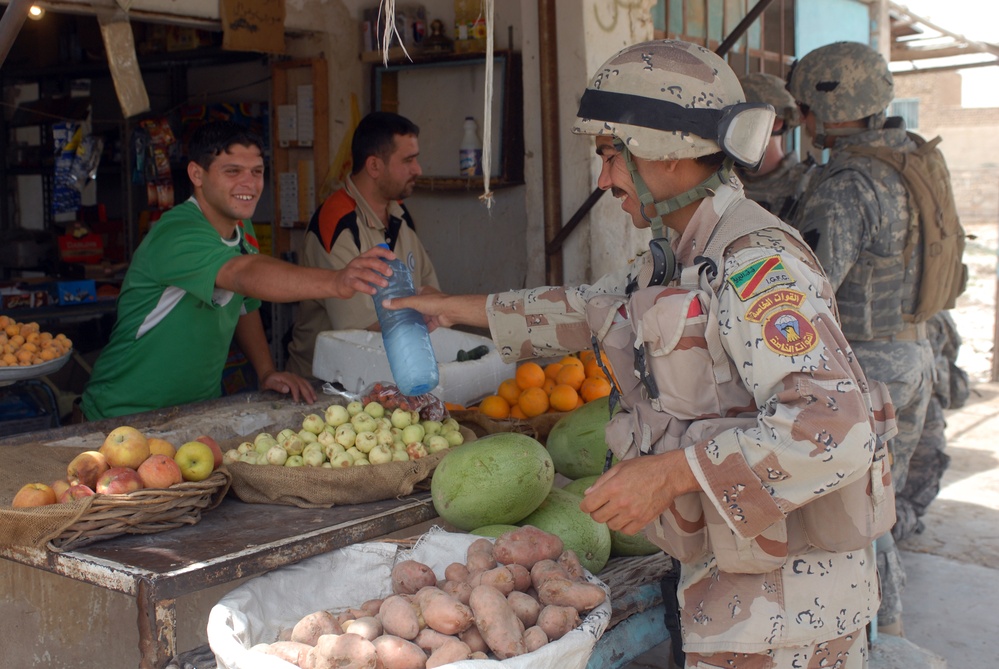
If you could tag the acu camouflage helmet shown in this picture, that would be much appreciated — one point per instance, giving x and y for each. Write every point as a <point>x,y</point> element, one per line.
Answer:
<point>771,89</point>
<point>670,100</point>
<point>843,81</point>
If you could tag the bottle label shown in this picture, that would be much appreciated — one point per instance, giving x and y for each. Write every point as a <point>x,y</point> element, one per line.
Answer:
<point>470,162</point>
<point>462,30</point>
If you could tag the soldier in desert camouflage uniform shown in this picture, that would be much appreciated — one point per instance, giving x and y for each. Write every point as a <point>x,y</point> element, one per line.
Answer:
<point>781,179</point>
<point>929,461</point>
<point>798,400</point>
<point>856,215</point>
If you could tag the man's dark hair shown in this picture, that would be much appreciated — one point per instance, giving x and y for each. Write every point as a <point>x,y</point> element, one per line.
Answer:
<point>215,137</point>
<point>375,136</point>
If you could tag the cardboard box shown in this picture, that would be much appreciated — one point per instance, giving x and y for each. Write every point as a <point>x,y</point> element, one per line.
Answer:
<point>23,296</point>
<point>86,249</point>
<point>356,359</point>
<point>77,292</point>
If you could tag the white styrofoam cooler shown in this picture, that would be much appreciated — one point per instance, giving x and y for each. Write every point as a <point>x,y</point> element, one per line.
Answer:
<point>356,359</point>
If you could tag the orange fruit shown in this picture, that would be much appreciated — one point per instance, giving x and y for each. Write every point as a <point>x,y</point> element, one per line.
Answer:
<point>451,406</point>
<point>571,375</point>
<point>533,402</point>
<point>579,401</point>
<point>586,356</point>
<point>530,375</point>
<point>563,398</point>
<point>571,360</point>
<point>594,388</point>
<point>509,390</point>
<point>548,386</point>
<point>495,406</point>
<point>552,369</point>
<point>515,412</point>
<point>593,369</point>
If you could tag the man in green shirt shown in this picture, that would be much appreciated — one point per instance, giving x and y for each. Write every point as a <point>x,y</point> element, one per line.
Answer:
<point>197,280</point>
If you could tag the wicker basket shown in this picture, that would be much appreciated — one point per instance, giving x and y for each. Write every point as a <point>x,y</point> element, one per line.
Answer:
<point>143,511</point>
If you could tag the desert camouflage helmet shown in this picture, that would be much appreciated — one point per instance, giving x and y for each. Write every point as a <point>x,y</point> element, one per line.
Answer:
<point>771,89</point>
<point>668,100</point>
<point>843,81</point>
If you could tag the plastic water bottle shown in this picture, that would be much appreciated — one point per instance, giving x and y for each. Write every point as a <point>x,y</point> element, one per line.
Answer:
<point>404,333</point>
<point>470,151</point>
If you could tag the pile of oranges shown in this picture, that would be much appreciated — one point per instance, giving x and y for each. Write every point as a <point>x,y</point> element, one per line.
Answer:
<point>557,386</point>
<point>24,344</point>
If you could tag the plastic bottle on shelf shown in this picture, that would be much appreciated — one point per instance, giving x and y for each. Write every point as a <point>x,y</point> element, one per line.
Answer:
<point>462,25</point>
<point>404,333</point>
<point>470,150</point>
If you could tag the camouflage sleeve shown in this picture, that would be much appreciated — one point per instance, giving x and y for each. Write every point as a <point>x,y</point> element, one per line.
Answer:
<point>547,321</point>
<point>836,221</point>
<point>812,431</point>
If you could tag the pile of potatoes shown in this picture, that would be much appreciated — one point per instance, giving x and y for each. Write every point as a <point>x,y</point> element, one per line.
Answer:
<point>506,599</point>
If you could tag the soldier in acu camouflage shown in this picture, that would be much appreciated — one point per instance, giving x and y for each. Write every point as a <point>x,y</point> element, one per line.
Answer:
<point>929,461</point>
<point>773,411</point>
<point>782,177</point>
<point>856,215</point>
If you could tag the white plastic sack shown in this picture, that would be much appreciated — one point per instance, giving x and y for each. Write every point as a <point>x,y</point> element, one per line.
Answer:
<point>257,611</point>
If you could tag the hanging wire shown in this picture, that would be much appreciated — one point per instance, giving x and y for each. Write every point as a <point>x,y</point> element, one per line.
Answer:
<point>389,30</point>
<point>487,113</point>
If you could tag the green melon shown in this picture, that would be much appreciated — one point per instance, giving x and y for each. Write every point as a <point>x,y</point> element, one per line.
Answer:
<point>579,486</point>
<point>576,442</point>
<point>622,545</point>
<point>495,480</point>
<point>560,515</point>
<point>493,530</point>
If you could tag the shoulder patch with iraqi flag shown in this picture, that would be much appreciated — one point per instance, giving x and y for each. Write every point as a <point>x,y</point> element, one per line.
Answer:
<point>759,276</point>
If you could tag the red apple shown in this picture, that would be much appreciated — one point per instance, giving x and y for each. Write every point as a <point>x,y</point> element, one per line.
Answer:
<point>86,468</point>
<point>78,491</point>
<point>125,447</point>
<point>33,494</point>
<point>117,481</point>
<point>216,449</point>
<point>196,460</point>
<point>162,446</point>
<point>159,471</point>
<point>59,487</point>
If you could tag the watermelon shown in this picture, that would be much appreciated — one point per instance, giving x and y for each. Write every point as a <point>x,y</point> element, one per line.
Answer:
<point>576,442</point>
<point>495,480</point>
<point>579,486</point>
<point>622,544</point>
<point>560,515</point>
<point>493,530</point>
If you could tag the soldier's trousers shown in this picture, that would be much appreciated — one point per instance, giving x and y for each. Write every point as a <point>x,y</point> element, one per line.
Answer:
<point>845,652</point>
<point>926,468</point>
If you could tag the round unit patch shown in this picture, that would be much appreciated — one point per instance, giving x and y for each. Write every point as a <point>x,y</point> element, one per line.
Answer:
<point>788,332</point>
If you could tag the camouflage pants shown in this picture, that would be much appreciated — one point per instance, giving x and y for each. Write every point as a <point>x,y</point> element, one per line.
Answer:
<point>926,468</point>
<point>846,652</point>
<point>908,372</point>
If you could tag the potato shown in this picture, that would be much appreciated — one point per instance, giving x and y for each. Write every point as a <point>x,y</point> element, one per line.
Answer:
<point>473,638</point>
<point>450,651</point>
<point>442,612</point>
<point>534,638</point>
<point>397,653</point>
<point>367,626</point>
<point>479,556</point>
<point>334,651</point>
<point>311,627</point>
<point>521,577</point>
<point>430,640</point>
<point>526,546</point>
<point>570,561</point>
<point>546,569</point>
<point>460,590</point>
<point>499,625</point>
<point>557,621</point>
<point>344,617</point>
<point>456,571</point>
<point>563,592</point>
<point>409,576</point>
<point>399,617</point>
<point>289,651</point>
<point>525,606</point>
<point>499,577</point>
<point>371,606</point>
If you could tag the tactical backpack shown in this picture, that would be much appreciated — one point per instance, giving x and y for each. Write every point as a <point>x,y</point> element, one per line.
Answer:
<point>931,203</point>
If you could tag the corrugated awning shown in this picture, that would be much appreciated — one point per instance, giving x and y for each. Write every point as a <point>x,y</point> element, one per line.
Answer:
<point>919,45</point>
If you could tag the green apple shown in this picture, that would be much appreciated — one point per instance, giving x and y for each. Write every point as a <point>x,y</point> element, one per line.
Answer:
<point>308,437</point>
<point>380,454</point>
<point>436,442</point>
<point>416,450</point>
<point>449,425</point>
<point>400,455</point>
<point>345,435</point>
<point>400,418</point>
<point>331,450</point>
<point>245,447</point>
<point>354,407</point>
<point>327,465</point>
<point>455,438</point>
<point>233,455</point>
<point>374,409</point>
<point>341,460</point>
<point>384,437</point>
<point>365,441</point>
<point>414,417</point>
<point>196,460</point>
<point>248,458</point>
<point>293,444</point>
<point>276,455</point>
<point>313,423</point>
<point>412,434</point>
<point>431,427</point>
<point>355,453</point>
<point>327,436</point>
<point>383,423</point>
<point>285,433</point>
<point>295,461</point>
<point>263,443</point>
<point>336,414</point>
<point>313,455</point>
<point>361,461</point>
<point>363,422</point>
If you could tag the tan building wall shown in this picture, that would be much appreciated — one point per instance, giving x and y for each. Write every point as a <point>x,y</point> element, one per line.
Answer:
<point>970,140</point>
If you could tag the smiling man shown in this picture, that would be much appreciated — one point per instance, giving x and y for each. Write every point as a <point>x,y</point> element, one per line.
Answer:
<point>197,280</point>
<point>367,211</point>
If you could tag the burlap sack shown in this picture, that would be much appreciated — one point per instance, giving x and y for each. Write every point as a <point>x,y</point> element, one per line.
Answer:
<point>322,488</point>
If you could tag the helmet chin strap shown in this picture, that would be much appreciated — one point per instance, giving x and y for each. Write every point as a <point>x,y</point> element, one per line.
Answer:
<point>823,134</point>
<point>702,190</point>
